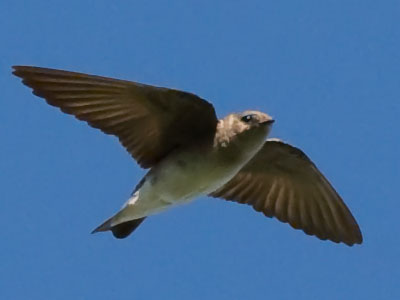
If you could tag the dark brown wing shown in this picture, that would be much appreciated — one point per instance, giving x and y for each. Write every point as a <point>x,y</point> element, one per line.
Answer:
<point>282,182</point>
<point>149,121</point>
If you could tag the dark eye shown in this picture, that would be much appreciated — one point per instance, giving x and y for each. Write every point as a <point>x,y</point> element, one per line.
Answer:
<point>247,118</point>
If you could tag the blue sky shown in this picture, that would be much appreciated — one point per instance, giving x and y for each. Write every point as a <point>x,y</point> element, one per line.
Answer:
<point>328,71</point>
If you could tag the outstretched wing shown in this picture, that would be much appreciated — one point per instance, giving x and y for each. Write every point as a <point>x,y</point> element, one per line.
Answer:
<point>282,182</point>
<point>149,121</point>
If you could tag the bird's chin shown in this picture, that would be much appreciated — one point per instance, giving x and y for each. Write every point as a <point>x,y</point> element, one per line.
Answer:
<point>264,129</point>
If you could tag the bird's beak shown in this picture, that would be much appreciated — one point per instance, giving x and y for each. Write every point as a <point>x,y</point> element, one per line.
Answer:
<point>268,122</point>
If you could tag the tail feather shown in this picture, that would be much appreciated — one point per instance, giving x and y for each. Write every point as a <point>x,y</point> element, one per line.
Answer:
<point>103,227</point>
<point>121,230</point>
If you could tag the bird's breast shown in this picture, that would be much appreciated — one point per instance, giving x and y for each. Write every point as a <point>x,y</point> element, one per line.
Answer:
<point>185,176</point>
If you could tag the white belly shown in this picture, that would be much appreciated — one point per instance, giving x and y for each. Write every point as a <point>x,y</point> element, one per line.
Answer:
<point>181,178</point>
<point>180,182</point>
<point>176,181</point>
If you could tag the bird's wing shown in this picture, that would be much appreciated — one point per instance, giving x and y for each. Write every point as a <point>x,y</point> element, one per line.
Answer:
<point>282,182</point>
<point>149,121</point>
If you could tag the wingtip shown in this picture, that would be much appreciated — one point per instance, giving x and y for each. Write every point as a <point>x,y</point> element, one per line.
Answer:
<point>18,70</point>
<point>14,70</point>
<point>16,67</point>
<point>359,240</point>
<point>355,240</point>
<point>356,236</point>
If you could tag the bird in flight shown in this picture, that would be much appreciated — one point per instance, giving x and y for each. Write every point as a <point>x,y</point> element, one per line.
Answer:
<point>190,153</point>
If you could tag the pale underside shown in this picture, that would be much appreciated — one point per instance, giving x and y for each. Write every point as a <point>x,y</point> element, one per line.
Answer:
<point>183,177</point>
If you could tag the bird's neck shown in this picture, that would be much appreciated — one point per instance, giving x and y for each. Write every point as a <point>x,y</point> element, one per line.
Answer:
<point>235,145</point>
<point>227,131</point>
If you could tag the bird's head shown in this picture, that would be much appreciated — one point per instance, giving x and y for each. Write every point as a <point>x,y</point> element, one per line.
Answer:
<point>249,122</point>
<point>250,125</point>
<point>252,119</point>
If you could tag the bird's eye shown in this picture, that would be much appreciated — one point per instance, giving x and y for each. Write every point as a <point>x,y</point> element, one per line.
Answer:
<point>247,118</point>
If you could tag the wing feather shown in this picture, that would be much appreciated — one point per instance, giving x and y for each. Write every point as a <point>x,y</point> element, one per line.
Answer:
<point>149,121</point>
<point>288,186</point>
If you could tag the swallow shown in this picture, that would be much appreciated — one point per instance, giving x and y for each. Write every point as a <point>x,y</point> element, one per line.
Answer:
<point>189,153</point>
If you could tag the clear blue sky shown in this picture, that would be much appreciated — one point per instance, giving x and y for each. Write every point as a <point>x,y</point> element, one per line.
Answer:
<point>328,71</point>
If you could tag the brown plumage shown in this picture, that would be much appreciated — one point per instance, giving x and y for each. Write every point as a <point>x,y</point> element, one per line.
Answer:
<point>149,121</point>
<point>191,153</point>
<point>281,181</point>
